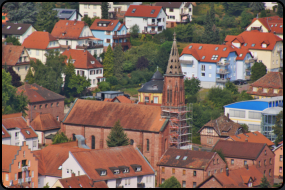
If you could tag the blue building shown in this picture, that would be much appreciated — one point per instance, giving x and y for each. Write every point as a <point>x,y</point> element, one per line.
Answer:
<point>111,32</point>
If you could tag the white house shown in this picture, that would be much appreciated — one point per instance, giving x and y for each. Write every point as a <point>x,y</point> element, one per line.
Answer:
<point>85,65</point>
<point>18,30</point>
<point>123,166</point>
<point>16,130</point>
<point>150,19</point>
<point>92,9</point>
<point>177,12</point>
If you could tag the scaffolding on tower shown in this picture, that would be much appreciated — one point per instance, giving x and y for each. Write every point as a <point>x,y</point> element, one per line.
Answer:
<point>180,130</point>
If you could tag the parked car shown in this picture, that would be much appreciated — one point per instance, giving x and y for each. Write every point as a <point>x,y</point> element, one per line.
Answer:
<point>240,82</point>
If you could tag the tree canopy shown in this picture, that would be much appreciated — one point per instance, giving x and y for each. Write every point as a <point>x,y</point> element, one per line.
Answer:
<point>117,136</point>
<point>13,40</point>
<point>118,61</point>
<point>258,70</point>
<point>134,30</point>
<point>104,10</point>
<point>60,138</point>
<point>16,79</point>
<point>108,62</point>
<point>142,63</point>
<point>278,128</point>
<point>171,182</point>
<point>264,183</point>
<point>191,86</point>
<point>30,77</point>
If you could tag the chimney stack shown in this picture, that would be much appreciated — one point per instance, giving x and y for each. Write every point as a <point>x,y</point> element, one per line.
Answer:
<point>72,174</point>
<point>28,122</point>
<point>228,116</point>
<point>227,171</point>
<point>246,140</point>
<point>134,145</point>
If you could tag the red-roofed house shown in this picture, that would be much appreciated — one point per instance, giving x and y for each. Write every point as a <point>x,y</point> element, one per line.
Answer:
<point>265,47</point>
<point>77,35</point>
<point>273,24</point>
<point>85,65</point>
<point>19,130</point>
<point>38,43</point>
<point>122,99</point>
<point>19,166</point>
<point>150,19</point>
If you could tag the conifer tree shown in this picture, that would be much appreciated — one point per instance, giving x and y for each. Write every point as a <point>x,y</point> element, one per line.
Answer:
<point>104,10</point>
<point>108,62</point>
<point>118,61</point>
<point>279,10</point>
<point>117,136</point>
<point>171,182</point>
<point>258,70</point>
<point>30,77</point>
<point>264,183</point>
<point>60,138</point>
<point>16,79</point>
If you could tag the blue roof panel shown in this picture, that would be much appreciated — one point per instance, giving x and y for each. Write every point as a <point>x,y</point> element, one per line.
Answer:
<point>249,105</point>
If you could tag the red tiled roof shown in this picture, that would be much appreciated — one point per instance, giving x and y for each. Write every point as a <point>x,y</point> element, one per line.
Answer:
<point>82,59</point>
<point>11,54</point>
<point>150,104</point>
<point>36,93</point>
<point>255,37</point>
<point>255,137</point>
<point>52,156</point>
<point>131,116</point>
<point>38,40</point>
<point>8,154</point>
<point>121,26</point>
<point>122,99</point>
<point>110,27</point>
<point>28,132</point>
<point>208,50</point>
<point>90,160</point>
<point>84,181</point>
<point>45,122</point>
<point>71,28</point>
<point>108,99</point>
<point>195,159</point>
<point>272,24</point>
<point>143,11</point>
<point>6,134</point>
<point>236,149</point>
<point>241,53</point>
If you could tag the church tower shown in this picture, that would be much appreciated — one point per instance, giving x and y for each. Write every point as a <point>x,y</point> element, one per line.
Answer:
<point>173,90</point>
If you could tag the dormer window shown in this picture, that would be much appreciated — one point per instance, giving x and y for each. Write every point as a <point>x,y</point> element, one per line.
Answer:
<point>104,25</point>
<point>264,45</point>
<point>154,87</point>
<point>116,172</point>
<point>19,28</point>
<point>99,24</point>
<point>240,55</point>
<point>245,44</point>
<point>103,173</point>
<point>92,62</point>
<point>8,27</point>
<point>136,167</point>
<point>126,170</point>
<point>134,10</point>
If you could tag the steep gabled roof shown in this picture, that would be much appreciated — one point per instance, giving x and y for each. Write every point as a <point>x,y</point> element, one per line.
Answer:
<point>11,55</point>
<point>45,122</point>
<point>65,13</point>
<point>272,24</point>
<point>110,27</point>
<point>255,137</point>
<point>38,40</point>
<point>194,159</point>
<point>105,114</point>
<point>143,11</point>
<point>6,134</point>
<point>236,149</point>
<point>36,93</point>
<point>122,99</point>
<point>82,59</point>
<point>15,28</point>
<point>83,180</point>
<point>270,80</point>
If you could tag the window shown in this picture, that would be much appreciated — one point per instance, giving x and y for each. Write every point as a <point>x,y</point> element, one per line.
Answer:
<point>209,140</point>
<point>202,67</point>
<point>18,68</point>
<point>155,100</point>
<point>29,163</point>
<point>51,105</point>
<point>17,135</point>
<point>209,173</point>
<point>270,172</point>
<point>185,157</point>
<point>173,170</point>
<point>19,164</point>
<point>264,152</point>
<point>85,6</point>
<point>129,181</point>
<point>210,66</point>
<point>26,68</point>
<point>237,113</point>
<point>7,177</point>
<point>24,154</point>
<point>32,174</point>
<point>163,169</point>
<point>245,162</point>
<point>94,14</point>
<point>92,142</point>
<point>217,160</point>
<point>183,183</point>
<point>194,173</point>
<point>131,142</point>
<point>265,90</point>
<point>254,115</point>
<point>170,9</point>
<point>252,45</point>
<point>162,179</point>
<point>67,171</point>
<point>108,32</point>
<point>40,107</point>
<point>147,144</point>
<point>126,181</point>
<point>214,161</point>
<point>210,75</point>
<point>146,99</point>
<point>184,172</point>
<point>264,172</point>
<point>281,158</point>
<point>108,41</point>
<point>15,176</point>
<point>134,10</point>
<point>73,137</point>
<point>209,130</point>
<point>202,74</point>
<point>221,170</point>
<point>215,171</point>
<point>232,161</point>
<point>280,169</point>
<point>250,184</point>
<point>34,143</point>
<point>37,52</point>
<point>254,89</point>
<point>194,184</point>
<point>86,13</point>
<point>265,162</point>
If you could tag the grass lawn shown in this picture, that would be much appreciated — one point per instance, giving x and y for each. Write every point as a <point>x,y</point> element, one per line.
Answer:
<point>202,93</point>
<point>131,91</point>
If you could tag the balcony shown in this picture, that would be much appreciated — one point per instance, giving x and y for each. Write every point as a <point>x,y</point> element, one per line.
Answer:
<point>222,71</point>
<point>188,62</point>
<point>20,180</point>
<point>152,24</point>
<point>24,168</point>
<point>279,50</point>
<point>141,185</point>
<point>85,46</point>
<point>225,63</point>
<point>149,32</point>
<point>221,80</point>
<point>122,44</point>
<point>28,179</point>
<point>249,61</point>
<point>121,36</point>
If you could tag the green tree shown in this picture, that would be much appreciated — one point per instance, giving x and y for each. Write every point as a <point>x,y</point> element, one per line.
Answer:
<point>262,14</point>
<point>256,6</point>
<point>142,63</point>
<point>104,86</point>
<point>30,77</point>
<point>78,83</point>
<point>60,138</point>
<point>231,87</point>
<point>278,128</point>
<point>104,10</point>
<point>128,67</point>
<point>264,183</point>
<point>279,10</point>
<point>47,18</point>
<point>72,5</point>
<point>219,97</point>
<point>245,19</point>
<point>245,127</point>
<point>22,12</point>
<point>134,30</point>
<point>87,20</point>
<point>184,32</point>
<point>11,101</point>
<point>118,61</point>
<point>208,33</point>
<point>69,71</point>
<point>112,80</point>
<point>16,79</point>
<point>243,96</point>
<point>46,186</point>
<point>234,8</point>
<point>191,87</point>
<point>108,62</point>
<point>171,182</point>
<point>212,12</point>
<point>13,40</point>
<point>258,70</point>
<point>117,136</point>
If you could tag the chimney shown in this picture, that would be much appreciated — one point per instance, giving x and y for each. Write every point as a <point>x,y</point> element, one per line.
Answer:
<point>134,145</point>
<point>28,122</point>
<point>246,140</point>
<point>72,174</point>
<point>246,166</point>
<point>228,116</point>
<point>227,171</point>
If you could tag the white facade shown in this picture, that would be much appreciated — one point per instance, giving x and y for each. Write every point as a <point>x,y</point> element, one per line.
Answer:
<point>177,14</point>
<point>93,10</point>
<point>22,37</point>
<point>6,141</point>
<point>269,5</point>
<point>144,23</point>
<point>71,166</point>
<point>73,17</point>
<point>17,139</point>
<point>43,180</point>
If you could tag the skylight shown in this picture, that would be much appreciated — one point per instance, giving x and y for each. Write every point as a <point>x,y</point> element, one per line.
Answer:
<point>190,47</point>
<point>185,157</point>
<point>69,186</point>
<point>177,157</point>
<point>8,27</point>
<point>200,47</point>
<point>225,49</point>
<point>67,23</point>
<point>203,57</point>
<point>275,24</point>
<point>80,185</point>
<point>92,62</point>
<point>60,167</point>
<point>216,48</point>
<point>271,25</point>
<point>134,10</point>
<point>112,24</point>
<point>28,132</point>
<point>240,55</point>
<point>152,11</point>
<point>245,44</point>
<point>281,26</point>
<point>252,45</point>
<point>19,28</point>
<point>214,57</point>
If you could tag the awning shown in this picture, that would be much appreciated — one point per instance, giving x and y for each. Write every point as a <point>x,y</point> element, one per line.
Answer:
<point>95,39</point>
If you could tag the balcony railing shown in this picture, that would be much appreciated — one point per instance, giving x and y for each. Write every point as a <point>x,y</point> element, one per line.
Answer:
<point>28,179</point>
<point>149,32</point>
<point>152,24</point>
<point>121,36</point>
<point>189,62</point>
<point>225,63</point>
<point>141,185</point>
<point>24,168</point>
<point>249,61</point>
<point>122,44</point>
<point>222,80</point>
<point>20,180</point>
<point>279,50</point>
<point>222,71</point>
<point>84,46</point>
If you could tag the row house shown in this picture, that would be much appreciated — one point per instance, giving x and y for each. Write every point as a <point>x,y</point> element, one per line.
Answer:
<point>42,100</point>
<point>112,31</point>
<point>39,43</point>
<point>250,113</point>
<point>17,130</point>
<point>19,166</point>
<point>16,57</point>
<point>212,64</point>
<point>150,19</point>
<point>77,35</point>
<point>273,24</point>
<point>50,160</point>
<point>19,30</point>
<point>177,12</point>
<point>85,65</point>
<point>68,14</point>
<point>270,85</point>
<point>264,47</point>
<point>220,128</point>
<point>244,177</point>
<point>119,167</point>
<point>188,166</point>
<point>278,164</point>
<point>245,154</point>
<point>45,125</point>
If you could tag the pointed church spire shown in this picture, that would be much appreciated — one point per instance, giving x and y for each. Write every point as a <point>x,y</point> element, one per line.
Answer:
<point>173,67</point>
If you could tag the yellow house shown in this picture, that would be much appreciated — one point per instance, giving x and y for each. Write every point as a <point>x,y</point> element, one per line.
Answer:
<point>151,92</point>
